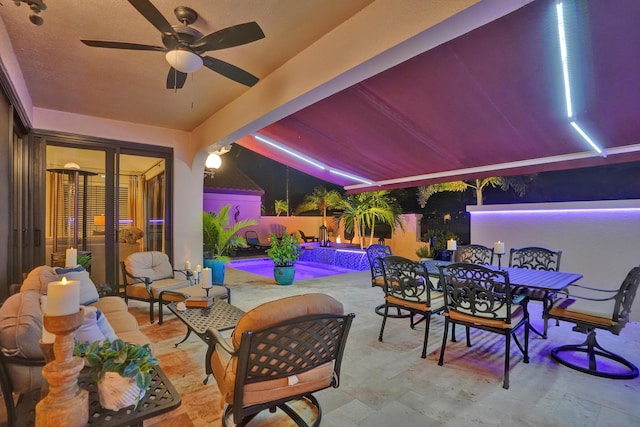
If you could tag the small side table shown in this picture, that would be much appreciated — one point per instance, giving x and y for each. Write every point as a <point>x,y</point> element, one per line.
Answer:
<point>161,397</point>
<point>221,316</point>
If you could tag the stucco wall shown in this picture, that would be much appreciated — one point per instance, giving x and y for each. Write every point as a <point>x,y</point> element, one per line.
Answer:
<point>598,239</point>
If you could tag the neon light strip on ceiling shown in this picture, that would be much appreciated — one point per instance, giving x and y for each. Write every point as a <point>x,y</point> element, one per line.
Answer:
<point>564,58</point>
<point>555,211</point>
<point>306,159</point>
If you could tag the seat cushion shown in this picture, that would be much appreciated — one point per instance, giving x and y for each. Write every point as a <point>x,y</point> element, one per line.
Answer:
<point>517,314</point>
<point>139,290</point>
<point>223,368</point>
<point>152,264</point>
<point>594,312</point>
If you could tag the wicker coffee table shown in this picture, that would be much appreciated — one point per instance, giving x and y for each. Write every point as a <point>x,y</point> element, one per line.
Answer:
<point>221,316</point>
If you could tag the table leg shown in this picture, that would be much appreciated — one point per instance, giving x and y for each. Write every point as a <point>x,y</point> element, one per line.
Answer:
<point>185,337</point>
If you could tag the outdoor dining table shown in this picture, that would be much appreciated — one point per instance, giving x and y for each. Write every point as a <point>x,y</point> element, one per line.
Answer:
<point>549,281</point>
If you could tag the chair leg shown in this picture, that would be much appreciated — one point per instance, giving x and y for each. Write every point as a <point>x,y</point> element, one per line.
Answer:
<point>384,320</point>
<point>426,335</point>
<point>505,383</point>
<point>593,350</point>
<point>444,340</point>
<point>151,313</point>
<point>468,331</point>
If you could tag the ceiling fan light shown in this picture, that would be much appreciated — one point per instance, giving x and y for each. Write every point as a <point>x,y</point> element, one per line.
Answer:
<point>183,60</point>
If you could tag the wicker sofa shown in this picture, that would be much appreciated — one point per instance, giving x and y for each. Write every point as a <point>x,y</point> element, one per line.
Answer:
<point>21,357</point>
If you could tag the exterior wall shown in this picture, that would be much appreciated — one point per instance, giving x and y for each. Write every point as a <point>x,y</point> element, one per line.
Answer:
<point>598,239</point>
<point>248,205</point>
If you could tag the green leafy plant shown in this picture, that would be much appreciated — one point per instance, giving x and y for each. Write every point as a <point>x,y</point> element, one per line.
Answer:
<point>127,359</point>
<point>439,238</point>
<point>425,252</point>
<point>220,238</point>
<point>85,261</point>
<point>284,251</point>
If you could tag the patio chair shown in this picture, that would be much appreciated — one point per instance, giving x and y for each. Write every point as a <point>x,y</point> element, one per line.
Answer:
<point>254,241</point>
<point>307,239</point>
<point>536,258</point>
<point>610,313</point>
<point>480,297</point>
<point>475,254</point>
<point>280,352</point>
<point>146,274</point>
<point>407,287</point>
<point>375,253</point>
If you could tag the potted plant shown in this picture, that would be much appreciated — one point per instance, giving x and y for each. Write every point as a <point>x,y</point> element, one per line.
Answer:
<point>438,242</point>
<point>121,370</point>
<point>220,239</point>
<point>284,252</point>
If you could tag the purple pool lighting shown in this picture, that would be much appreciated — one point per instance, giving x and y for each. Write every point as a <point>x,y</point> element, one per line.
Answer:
<point>304,269</point>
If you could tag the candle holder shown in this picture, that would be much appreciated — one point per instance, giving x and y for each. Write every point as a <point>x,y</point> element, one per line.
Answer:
<point>65,404</point>
<point>499,257</point>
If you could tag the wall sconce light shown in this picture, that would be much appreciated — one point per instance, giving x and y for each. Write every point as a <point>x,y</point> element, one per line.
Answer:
<point>214,161</point>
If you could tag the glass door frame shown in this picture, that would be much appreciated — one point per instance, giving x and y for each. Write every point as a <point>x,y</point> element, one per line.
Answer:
<point>112,149</point>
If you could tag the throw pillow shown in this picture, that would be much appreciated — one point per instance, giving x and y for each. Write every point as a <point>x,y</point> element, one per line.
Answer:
<point>95,327</point>
<point>88,291</point>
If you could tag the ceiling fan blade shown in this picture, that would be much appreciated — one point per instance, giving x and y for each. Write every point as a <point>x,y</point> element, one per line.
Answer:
<point>121,45</point>
<point>154,16</point>
<point>176,79</point>
<point>230,71</point>
<point>229,37</point>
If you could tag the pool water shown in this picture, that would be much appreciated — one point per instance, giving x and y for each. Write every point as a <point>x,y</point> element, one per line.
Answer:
<point>304,269</point>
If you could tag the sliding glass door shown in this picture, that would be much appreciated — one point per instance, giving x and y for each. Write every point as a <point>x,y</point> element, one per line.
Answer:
<point>106,201</point>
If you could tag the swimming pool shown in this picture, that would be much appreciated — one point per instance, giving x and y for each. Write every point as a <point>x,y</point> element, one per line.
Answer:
<point>304,269</point>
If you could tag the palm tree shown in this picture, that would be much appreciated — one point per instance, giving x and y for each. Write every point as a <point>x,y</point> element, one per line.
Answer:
<point>518,183</point>
<point>362,211</point>
<point>280,207</point>
<point>320,199</point>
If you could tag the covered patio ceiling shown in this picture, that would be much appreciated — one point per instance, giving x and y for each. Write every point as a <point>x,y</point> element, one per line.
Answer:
<point>491,102</point>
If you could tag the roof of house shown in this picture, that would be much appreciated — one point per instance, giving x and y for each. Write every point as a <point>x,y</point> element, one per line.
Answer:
<point>228,179</point>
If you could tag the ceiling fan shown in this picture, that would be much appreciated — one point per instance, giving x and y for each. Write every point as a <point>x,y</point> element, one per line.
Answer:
<point>184,45</point>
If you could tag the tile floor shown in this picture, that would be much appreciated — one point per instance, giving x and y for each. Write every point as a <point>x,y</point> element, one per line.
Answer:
<point>388,384</point>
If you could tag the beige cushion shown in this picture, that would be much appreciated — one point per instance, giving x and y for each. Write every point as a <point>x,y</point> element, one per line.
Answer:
<point>517,314</point>
<point>139,290</point>
<point>596,312</point>
<point>152,264</point>
<point>39,279</point>
<point>110,304</point>
<point>282,309</point>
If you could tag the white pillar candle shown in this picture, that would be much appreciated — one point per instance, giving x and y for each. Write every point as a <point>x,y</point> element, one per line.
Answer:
<point>71,258</point>
<point>452,245</point>
<point>63,297</point>
<point>47,337</point>
<point>187,265</point>
<point>206,278</point>
<point>338,239</point>
<point>498,247</point>
<point>198,268</point>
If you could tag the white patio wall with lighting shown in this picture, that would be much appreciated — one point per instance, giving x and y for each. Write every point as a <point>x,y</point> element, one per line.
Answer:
<point>598,239</point>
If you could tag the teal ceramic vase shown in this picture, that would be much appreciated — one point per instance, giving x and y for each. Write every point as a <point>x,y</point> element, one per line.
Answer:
<point>284,275</point>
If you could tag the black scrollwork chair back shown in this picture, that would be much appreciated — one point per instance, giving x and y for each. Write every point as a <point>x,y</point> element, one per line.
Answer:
<point>475,254</point>
<point>407,287</point>
<point>281,351</point>
<point>479,297</point>
<point>374,254</point>
<point>581,310</point>
<point>536,258</point>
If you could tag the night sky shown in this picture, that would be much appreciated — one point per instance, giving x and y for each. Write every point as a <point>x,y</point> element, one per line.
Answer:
<point>620,181</point>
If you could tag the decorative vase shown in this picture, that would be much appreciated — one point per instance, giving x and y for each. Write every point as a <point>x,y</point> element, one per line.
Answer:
<point>284,275</point>
<point>117,392</point>
<point>217,270</point>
